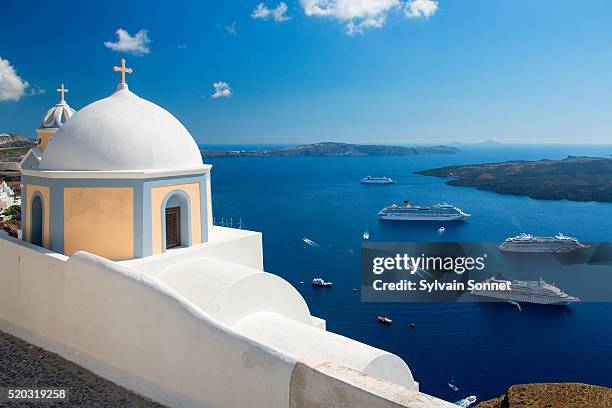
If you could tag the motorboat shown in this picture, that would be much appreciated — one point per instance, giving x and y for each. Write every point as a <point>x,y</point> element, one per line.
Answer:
<point>321,282</point>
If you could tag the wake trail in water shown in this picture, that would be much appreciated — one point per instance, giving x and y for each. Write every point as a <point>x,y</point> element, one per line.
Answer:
<point>310,242</point>
<point>343,251</point>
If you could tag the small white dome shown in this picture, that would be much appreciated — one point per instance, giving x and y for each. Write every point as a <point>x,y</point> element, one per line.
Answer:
<point>121,132</point>
<point>57,115</point>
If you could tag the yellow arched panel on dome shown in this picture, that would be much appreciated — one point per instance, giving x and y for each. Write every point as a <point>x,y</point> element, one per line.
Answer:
<point>158,194</point>
<point>99,220</point>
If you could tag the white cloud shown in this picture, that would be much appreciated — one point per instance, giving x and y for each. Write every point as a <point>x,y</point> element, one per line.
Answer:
<point>136,45</point>
<point>420,8</point>
<point>348,9</point>
<point>357,14</point>
<point>12,86</point>
<point>353,28</point>
<point>278,14</point>
<point>232,29</point>
<point>36,91</point>
<point>222,90</point>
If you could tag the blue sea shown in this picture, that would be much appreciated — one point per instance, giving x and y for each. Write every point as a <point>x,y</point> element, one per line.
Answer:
<point>483,347</point>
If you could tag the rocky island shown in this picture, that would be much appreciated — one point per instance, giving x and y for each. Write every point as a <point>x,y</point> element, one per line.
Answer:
<point>557,395</point>
<point>334,149</point>
<point>576,178</point>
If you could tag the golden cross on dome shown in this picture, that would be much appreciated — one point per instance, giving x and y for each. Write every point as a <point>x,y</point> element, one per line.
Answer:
<point>123,69</point>
<point>62,91</point>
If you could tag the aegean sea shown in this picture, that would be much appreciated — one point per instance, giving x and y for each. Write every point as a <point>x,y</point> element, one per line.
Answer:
<point>484,348</point>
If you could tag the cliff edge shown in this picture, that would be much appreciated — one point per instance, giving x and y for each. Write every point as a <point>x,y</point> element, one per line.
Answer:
<point>553,395</point>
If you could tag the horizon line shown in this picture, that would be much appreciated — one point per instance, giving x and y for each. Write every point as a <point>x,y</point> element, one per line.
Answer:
<point>487,142</point>
<point>407,143</point>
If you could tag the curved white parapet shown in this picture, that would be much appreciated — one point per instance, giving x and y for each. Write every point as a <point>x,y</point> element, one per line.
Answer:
<point>133,329</point>
<point>316,347</point>
<point>152,334</point>
<point>268,309</point>
<point>229,292</point>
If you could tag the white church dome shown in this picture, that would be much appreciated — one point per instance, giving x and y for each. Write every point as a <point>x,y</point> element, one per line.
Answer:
<point>57,115</point>
<point>121,132</point>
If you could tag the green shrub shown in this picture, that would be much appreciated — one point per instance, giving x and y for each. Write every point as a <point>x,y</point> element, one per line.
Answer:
<point>13,210</point>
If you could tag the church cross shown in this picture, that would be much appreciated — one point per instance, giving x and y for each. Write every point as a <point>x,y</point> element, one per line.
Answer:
<point>123,70</point>
<point>62,91</point>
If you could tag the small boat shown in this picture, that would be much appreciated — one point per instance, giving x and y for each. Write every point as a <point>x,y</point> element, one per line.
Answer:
<point>354,289</point>
<point>366,235</point>
<point>301,282</point>
<point>310,242</point>
<point>377,180</point>
<point>441,230</point>
<point>412,325</point>
<point>321,282</point>
<point>453,387</point>
<point>384,320</point>
<point>466,402</point>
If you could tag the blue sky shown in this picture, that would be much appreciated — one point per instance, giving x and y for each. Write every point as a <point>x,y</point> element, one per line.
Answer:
<point>344,70</point>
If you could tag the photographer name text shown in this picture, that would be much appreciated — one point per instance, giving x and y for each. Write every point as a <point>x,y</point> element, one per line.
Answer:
<point>435,286</point>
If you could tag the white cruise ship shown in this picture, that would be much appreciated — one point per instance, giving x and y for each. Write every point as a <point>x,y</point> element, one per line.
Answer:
<point>539,292</point>
<point>377,180</point>
<point>407,212</point>
<point>527,243</point>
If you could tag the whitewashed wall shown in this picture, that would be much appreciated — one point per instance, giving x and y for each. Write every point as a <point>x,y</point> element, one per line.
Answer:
<point>136,331</point>
<point>241,246</point>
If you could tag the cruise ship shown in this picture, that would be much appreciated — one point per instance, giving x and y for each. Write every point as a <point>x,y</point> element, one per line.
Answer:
<point>539,292</point>
<point>527,243</point>
<point>377,180</point>
<point>407,212</point>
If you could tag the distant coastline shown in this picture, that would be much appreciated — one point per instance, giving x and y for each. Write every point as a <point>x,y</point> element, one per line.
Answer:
<point>575,178</point>
<point>12,149</point>
<point>14,140</point>
<point>334,149</point>
<point>488,142</point>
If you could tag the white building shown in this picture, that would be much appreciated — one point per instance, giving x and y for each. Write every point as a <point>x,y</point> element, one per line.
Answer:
<point>7,196</point>
<point>121,271</point>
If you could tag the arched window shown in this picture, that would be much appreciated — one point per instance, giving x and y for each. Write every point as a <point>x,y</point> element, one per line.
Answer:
<point>176,220</point>
<point>36,220</point>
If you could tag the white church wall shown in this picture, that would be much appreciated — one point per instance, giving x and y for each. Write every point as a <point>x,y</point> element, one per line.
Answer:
<point>29,277</point>
<point>240,246</point>
<point>134,330</point>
